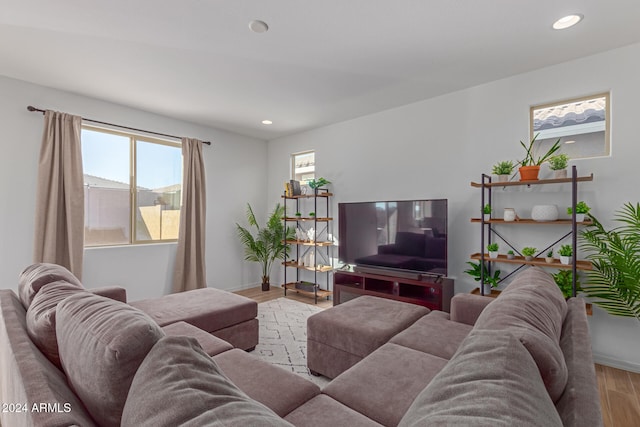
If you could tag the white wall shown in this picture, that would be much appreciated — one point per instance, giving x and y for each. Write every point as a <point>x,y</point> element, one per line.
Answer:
<point>235,167</point>
<point>434,148</point>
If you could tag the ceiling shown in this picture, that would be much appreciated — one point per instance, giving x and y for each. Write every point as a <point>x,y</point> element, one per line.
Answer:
<point>321,62</point>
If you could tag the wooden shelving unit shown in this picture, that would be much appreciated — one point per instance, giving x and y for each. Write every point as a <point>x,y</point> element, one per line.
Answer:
<point>536,182</point>
<point>580,265</point>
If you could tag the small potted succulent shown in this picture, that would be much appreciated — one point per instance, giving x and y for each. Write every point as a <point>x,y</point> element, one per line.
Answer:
<point>558,164</point>
<point>549,257</point>
<point>581,210</point>
<point>298,215</point>
<point>312,214</point>
<point>493,250</point>
<point>565,252</point>
<point>528,253</point>
<point>486,211</point>
<point>503,170</point>
<point>510,254</point>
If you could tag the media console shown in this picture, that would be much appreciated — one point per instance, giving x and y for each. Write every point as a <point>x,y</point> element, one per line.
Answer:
<point>435,293</point>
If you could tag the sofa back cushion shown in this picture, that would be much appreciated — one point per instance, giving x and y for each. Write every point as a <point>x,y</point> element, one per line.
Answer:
<point>37,275</point>
<point>492,380</point>
<point>533,309</point>
<point>179,384</point>
<point>41,317</point>
<point>102,343</point>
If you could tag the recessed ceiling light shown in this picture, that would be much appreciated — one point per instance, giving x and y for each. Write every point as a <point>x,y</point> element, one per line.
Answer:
<point>569,142</point>
<point>267,122</point>
<point>258,26</point>
<point>567,21</point>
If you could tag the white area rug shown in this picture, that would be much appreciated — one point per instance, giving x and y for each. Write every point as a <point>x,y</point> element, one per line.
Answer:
<point>283,336</point>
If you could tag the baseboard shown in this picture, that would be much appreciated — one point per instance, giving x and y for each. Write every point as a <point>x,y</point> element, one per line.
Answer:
<point>243,287</point>
<point>616,363</point>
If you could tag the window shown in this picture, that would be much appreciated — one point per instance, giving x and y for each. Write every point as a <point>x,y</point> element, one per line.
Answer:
<point>582,125</point>
<point>303,166</point>
<point>132,188</point>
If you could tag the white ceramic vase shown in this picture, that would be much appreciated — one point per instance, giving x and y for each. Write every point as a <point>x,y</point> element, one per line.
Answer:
<point>566,260</point>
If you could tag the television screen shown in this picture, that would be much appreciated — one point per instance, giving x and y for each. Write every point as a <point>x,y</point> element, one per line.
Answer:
<point>401,235</point>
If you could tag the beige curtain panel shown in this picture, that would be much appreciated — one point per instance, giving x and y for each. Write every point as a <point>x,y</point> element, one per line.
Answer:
<point>190,272</point>
<point>59,230</point>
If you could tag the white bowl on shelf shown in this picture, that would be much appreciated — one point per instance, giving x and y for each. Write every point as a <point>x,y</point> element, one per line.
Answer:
<point>544,213</point>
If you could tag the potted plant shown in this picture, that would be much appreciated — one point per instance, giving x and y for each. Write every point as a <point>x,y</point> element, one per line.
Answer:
<point>614,282</point>
<point>298,215</point>
<point>312,214</point>
<point>564,280</point>
<point>315,184</point>
<point>558,164</point>
<point>503,170</point>
<point>489,281</point>
<point>510,254</point>
<point>565,253</point>
<point>267,244</point>
<point>486,211</point>
<point>528,253</point>
<point>549,257</point>
<point>493,250</point>
<point>530,164</point>
<point>581,210</point>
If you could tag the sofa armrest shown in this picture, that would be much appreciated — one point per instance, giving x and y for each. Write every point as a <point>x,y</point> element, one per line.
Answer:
<point>465,308</point>
<point>114,292</point>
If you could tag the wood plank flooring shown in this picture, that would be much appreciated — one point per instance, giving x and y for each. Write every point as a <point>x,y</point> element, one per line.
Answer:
<point>619,390</point>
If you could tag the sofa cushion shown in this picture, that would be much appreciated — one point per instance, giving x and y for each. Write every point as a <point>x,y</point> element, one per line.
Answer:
<point>323,411</point>
<point>383,385</point>
<point>491,381</point>
<point>210,344</point>
<point>179,384</point>
<point>101,343</point>
<point>41,317</point>
<point>279,390</point>
<point>433,334</point>
<point>532,308</point>
<point>37,275</point>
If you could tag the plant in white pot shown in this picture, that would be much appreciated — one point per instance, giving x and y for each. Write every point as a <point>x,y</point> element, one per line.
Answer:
<point>581,210</point>
<point>528,253</point>
<point>486,211</point>
<point>503,170</point>
<point>565,252</point>
<point>493,250</point>
<point>558,164</point>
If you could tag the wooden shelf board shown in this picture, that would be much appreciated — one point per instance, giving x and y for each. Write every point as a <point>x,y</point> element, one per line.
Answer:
<point>308,196</point>
<point>319,292</point>
<point>580,265</point>
<point>536,182</point>
<point>531,221</point>
<point>319,219</point>
<point>293,264</point>
<point>306,243</point>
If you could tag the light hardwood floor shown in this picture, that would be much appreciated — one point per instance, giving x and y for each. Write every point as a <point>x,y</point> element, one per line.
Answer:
<point>619,390</point>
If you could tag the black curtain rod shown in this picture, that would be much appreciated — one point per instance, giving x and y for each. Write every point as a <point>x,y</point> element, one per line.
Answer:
<point>32,109</point>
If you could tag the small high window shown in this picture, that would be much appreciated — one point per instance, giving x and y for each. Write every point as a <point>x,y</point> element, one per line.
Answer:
<point>303,166</point>
<point>582,124</point>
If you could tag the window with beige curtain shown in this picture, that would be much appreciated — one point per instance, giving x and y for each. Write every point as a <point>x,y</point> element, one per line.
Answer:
<point>132,187</point>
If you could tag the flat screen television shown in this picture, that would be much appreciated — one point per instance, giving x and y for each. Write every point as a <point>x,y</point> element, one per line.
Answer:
<point>404,235</point>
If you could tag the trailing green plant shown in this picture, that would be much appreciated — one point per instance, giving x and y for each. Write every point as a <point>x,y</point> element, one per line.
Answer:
<point>581,208</point>
<point>503,168</point>
<point>530,159</point>
<point>558,162</point>
<point>486,209</point>
<point>317,183</point>
<point>268,244</point>
<point>565,250</point>
<point>529,251</point>
<point>564,280</point>
<point>475,272</point>
<point>492,247</point>
<point>614,282</point>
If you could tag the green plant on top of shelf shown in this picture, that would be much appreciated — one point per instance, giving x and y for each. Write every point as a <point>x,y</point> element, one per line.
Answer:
<point>565,250</point>
<point>510,252</point>
<point>492,247</point>
<point>486,209</point>
<point>558,162</point>
<point>475,272</point>
<point>530,159</point>
<point>529,251</point>
<point>298,214</point>
<point>312,214</point>
<point>317,183</point>
<point>581,208</point>
<point>503,168</point>
<point>564,280</point>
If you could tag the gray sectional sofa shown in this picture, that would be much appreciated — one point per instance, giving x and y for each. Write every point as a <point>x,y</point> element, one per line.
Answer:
<point>522,359</point>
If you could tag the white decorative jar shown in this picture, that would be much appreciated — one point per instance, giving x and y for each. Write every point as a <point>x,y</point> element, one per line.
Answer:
<point>544,213</point>
<point>509,214</point>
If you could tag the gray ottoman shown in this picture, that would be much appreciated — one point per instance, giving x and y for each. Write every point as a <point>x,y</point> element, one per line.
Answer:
<point>341,336</point>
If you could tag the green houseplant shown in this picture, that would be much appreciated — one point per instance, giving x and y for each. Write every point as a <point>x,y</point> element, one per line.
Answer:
<point>549,257</point>
<point>565,252</point>
<point>317,183</point>
<point>528,252</point>
<point>614,282</point>
<point>581,210</point>
<point>564,280</point>
<point>486,211</point>
<point>558,164</point>
<point>492,248</point>
<point>530,164</point>
<point>510,254</point>
<point>268,244</point>
<point>475,272</point>
<point>503,170</point>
